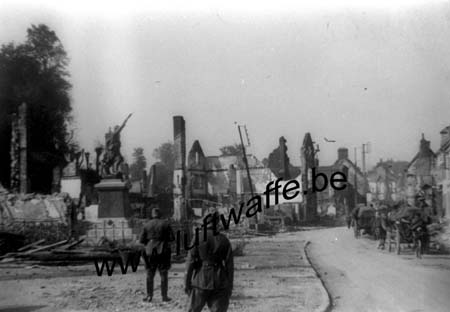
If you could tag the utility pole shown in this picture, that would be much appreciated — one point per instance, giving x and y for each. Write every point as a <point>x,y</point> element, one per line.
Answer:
<point>365,150</point>
<point>248,171</point>
<point>363,158</point>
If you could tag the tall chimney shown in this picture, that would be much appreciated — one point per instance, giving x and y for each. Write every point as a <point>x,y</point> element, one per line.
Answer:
<point>179,139</point>
<point>179,173</point>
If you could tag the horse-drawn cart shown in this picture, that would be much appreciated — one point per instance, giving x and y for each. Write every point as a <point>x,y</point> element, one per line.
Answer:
<point>363,220</point>
<point>402,232</point>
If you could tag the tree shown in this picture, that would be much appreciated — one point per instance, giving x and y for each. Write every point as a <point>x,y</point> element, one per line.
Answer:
<point>34,72</point>
<point>231,150</point>
<point>166,154</point>
<point>139,164</point>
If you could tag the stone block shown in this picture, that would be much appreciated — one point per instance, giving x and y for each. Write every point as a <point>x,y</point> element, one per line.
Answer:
<point>113,199</point>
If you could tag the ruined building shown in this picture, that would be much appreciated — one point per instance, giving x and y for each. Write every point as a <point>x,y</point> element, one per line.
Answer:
<point>308,159</point>
<point>279,162</point>
<point>420,170</point>
<point>386,181</point>
<point>442,174</point>
<point>202,181</point>
<point>355,191</point>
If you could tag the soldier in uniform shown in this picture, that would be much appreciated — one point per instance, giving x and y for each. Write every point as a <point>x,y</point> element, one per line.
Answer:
<point>381,226</point>
<point>156,236</point>
<point>210,271</point>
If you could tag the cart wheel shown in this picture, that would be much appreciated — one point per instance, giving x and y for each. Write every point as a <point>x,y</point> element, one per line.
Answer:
<point>397,242</point>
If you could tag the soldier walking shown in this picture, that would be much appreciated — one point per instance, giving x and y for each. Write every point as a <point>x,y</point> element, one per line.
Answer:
<point>156,236</point>
<point>210,271</point>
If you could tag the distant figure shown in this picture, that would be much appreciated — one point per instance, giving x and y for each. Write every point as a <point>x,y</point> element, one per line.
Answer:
<point>156,236</point>
<point>348,215</point>
<point>112,157</point>
<point>210,272</point>
<point>355,216</point>
<point>381,228</point>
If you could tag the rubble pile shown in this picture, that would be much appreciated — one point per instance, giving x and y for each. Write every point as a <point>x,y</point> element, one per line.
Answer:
<point>33,217</point>
<point>38,251</point>
<point>33,207</point>
<point>70,252</point>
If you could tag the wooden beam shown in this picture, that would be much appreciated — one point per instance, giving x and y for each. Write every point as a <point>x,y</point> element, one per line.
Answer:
<point>31,245</point>
<point>46,247</point>
<point>74,244</point>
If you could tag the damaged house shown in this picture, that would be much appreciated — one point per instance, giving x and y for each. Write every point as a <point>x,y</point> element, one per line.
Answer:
<point>386,181</point>
<point>355,192</point>
<point>202,182</point>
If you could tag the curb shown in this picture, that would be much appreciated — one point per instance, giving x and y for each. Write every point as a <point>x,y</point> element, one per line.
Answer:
<point>326,305</point>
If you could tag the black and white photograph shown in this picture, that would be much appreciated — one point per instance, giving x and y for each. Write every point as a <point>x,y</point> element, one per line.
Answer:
<point>242,156</point>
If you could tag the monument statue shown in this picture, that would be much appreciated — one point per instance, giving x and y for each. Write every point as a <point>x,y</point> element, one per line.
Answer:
<point>112,158</point>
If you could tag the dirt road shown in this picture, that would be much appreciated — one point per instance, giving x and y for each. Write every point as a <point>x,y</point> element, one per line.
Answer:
<point>272,276</point>
<point>361,278</point>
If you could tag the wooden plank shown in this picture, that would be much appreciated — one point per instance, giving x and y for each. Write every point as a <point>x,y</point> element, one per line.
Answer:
<point>46,247</point>
<point>8,255</point>
<point>72,256</point>
<point>75,244</point>
<point>67,252</point>
<point>31,245</point>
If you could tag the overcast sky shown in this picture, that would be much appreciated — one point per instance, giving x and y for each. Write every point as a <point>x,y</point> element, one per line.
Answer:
<point>368,72</point>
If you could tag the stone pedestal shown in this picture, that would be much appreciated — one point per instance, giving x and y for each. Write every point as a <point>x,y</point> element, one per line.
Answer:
<point>113,199</point>
<point>110,218</point>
